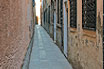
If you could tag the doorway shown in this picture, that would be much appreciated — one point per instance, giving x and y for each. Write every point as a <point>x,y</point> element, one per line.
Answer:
<point>54,8</point>
<point>54,25</point>
<point>65,28</point>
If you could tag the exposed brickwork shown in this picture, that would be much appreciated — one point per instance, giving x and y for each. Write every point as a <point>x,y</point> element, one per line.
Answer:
<point>14,32</point>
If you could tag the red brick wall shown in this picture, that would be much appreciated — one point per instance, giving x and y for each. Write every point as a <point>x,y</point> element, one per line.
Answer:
<point>15,20</point>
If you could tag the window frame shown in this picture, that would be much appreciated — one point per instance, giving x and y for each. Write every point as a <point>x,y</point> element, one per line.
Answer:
<point>73,22</point>
<point>49,14</point>
<point>87,26</point>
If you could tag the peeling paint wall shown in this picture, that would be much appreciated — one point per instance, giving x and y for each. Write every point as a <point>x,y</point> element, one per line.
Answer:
<point>85,49</point>
<point>15,34</point>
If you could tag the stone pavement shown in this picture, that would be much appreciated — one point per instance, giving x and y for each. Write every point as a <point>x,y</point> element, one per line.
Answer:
<point>45,54</point>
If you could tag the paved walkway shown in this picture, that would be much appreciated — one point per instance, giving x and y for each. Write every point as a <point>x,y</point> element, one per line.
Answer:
<point>45,54</point>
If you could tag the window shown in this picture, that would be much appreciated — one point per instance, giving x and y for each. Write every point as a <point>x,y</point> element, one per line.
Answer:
<point>44,16</point>
<point>89,14</point>
<point>61,11</point>
<point>103,31</point>
<point>103,26</point>
<point>57,11</point>
<point>49,14</point>
<point>52,11</point>
<point>33,3</point>
<point>73,13</point>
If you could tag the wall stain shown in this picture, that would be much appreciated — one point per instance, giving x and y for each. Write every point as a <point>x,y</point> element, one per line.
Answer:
<point>99,27</point>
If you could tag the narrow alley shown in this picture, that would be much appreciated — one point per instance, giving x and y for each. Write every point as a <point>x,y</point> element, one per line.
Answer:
<point>45,54</point>
<point>51,34</point>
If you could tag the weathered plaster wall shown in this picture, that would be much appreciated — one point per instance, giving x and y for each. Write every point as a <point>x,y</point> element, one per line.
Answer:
<point>51,31</point>
<point>46,25</point>
<point>51,20</point>
<point>59,37</point>
<point>85,50</point>
<point>59,29</point>
<point>15,31</point>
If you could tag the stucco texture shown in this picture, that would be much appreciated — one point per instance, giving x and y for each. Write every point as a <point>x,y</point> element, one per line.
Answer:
<point>14,32</point>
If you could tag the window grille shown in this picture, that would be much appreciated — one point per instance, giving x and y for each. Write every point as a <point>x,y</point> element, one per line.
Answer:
<point>89,14</point>
<point>57,11</point>
<point>103,26</point>
<point>61,11</point>
<point>73,13</point>
<point>33,3</point>
<point>44,16</point>
<point>52,11</point>
<point>49,14</point>
<point>103,31</point>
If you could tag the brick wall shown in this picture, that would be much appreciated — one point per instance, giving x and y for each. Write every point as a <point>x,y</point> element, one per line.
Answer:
<point>16,27</point>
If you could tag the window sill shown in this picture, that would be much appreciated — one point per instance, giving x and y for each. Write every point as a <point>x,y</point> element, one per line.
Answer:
<point>89,33</point>
<point>73,30</point>
<point>59,25</point>
<point>51,24</point>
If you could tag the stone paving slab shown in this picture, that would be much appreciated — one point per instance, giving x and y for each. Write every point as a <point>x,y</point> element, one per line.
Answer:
<point>45,54</point>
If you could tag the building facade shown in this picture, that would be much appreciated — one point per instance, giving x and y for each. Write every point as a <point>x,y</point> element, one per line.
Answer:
<point>76,26</point>
<point>85,39</point>
<point>16,29</point>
